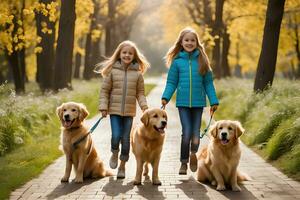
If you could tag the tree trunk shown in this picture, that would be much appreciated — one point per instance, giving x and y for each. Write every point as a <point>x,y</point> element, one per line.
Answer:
<point>268,56</point>
<point>17,58</point>
<point>110,28</point>
<point>15,63</point>
<point>45,59</point>
<point>87,58</point>
<point>96,52</point>
<point>217,32</point>
<point>77,66</point>
<point>65,44</point>
<point>297,48</point>
<point>225,52</point>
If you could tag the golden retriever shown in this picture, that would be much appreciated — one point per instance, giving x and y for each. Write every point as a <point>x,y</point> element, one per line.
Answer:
<point>84,156</point>
<point>218,162</point>
<point>147,143</point>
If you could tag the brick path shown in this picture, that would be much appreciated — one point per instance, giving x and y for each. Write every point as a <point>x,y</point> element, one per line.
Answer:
<point>268,183</point>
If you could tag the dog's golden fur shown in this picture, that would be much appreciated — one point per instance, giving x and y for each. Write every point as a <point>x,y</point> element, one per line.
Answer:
<point>218,162</point>
<point>84,157</point>
<point>147,143</point>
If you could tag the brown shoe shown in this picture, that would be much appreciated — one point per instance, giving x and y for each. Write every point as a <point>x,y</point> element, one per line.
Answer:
<point>121,170</point>
<point>193,162</point>
<point>183,168</point>
<point>113,161</point>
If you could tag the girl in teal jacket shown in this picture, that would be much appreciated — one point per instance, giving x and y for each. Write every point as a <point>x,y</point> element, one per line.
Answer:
<point>190,74</point>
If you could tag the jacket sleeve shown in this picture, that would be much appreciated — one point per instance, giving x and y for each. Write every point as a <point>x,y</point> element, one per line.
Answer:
<point>105,92</point>
<point>140,93</point>
<point>210,88</point>
<point>172,82</point>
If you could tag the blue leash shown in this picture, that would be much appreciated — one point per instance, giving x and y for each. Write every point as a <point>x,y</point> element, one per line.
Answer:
<point>90,131</point>
<point>206,129</point>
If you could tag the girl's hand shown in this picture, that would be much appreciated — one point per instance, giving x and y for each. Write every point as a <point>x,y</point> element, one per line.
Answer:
<point>164,103</point>
<point>213,109</point>
<point>104,113</point>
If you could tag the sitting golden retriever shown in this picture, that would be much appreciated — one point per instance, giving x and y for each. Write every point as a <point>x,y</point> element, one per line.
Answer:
<point>83,156</point>
<point>147,142</point>
<point>218,162</point>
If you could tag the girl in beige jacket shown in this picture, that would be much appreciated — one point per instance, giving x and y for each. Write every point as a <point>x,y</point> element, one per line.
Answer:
<point>123,84</point>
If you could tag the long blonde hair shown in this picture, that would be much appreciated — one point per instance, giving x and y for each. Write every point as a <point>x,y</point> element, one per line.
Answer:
<point>106,65</point>
<point>204,65</point>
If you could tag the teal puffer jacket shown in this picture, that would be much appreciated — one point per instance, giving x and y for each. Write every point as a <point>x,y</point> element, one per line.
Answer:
<point>192,87</point>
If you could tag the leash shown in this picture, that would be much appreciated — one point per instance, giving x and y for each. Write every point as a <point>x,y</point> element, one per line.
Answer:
<point>74,145</point>
<point>207,127</point>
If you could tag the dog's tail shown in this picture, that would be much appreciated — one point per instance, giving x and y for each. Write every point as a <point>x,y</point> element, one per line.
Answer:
<point>241,176</point>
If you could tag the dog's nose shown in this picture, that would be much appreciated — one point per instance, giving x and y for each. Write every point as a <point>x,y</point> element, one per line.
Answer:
<point>223,134</point>
<point>66,116</point>
<point>164,123</point>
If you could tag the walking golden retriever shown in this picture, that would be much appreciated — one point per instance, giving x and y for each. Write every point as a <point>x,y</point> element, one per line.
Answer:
<point>218,162</point>
<point>147,143</point>
<point>82,156</point>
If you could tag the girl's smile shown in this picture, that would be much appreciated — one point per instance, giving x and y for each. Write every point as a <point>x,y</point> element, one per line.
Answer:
<point>127,55</point>
<point>189,42</point>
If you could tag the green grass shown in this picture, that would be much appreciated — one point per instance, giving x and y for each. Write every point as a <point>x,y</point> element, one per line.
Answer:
<point>30,129</point>
<point>271,119</point>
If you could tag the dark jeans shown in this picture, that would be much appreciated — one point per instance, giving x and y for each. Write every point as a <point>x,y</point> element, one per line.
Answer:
<point>120,128</point>
<point>190,119</point>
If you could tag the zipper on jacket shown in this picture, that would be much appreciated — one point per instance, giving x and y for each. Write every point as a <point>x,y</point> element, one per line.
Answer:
<point>124,93</point>
<point>190,65</point>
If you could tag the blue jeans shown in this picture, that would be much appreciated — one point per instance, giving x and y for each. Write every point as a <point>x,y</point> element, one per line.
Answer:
<point>190,119</point>
<point>120,128</point>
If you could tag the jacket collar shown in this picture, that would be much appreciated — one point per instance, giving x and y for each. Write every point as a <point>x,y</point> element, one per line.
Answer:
<point>132,66</point>
<point>184,54</point>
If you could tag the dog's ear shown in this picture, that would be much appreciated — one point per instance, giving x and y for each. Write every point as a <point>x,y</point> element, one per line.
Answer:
<point>214,131</point>
<point>59,111</point>
<point>166,115</point>
<point>145,118</point>
<point>83,112</point>
<point>239,130</point>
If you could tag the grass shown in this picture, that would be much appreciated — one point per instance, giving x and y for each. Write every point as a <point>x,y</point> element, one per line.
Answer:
<point>29,129</point>
<point>271,119</point>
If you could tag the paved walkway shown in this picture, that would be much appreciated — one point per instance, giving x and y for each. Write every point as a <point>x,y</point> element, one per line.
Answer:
<point>268,183</point>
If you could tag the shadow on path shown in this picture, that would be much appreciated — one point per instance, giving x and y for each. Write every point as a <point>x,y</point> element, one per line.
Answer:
<point>114,187</point>
<point>150,191</point>
<point>193,189</point>
<point>68,188</point>
<point>244,194</point>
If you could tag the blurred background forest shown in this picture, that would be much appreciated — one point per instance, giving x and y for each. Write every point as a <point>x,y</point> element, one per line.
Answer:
<point>51,42</point>
<point>49,46</point>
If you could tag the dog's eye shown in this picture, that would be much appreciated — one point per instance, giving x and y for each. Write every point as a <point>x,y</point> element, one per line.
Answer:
<point>65,110</point>
<point>73,110</point>
<point>155,116</point>
<point>220,128</point>
<point>230,128</point>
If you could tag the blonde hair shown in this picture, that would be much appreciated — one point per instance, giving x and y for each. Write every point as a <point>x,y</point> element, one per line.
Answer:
<point>106,65</point>
<point>177,47</point>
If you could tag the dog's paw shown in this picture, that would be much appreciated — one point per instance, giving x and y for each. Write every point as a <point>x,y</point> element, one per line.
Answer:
<point>156,182</point>
<point>236,188</point>
<point>64,179</point>
<point>137,182</point>
<point>221,187</point>
<point>78,180</point>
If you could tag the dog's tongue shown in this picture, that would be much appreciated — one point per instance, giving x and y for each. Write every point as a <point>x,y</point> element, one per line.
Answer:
<point>161,130</point>
<point>68,123</point>
<point>224,141</point>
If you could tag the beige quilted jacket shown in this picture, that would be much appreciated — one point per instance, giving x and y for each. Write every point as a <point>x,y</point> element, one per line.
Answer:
<point>120,90</point>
